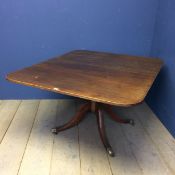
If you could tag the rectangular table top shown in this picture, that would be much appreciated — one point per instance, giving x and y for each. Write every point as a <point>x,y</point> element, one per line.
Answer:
<point>120,80</point>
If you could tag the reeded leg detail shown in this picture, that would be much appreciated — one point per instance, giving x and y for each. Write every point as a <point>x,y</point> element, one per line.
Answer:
<point>75,120</point>
<point>101,128</point>
<point>112,115</point>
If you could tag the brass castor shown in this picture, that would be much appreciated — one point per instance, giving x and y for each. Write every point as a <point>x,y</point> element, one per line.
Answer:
<point>110,151</point>
<point>131,122</point>
<point>54,131</point>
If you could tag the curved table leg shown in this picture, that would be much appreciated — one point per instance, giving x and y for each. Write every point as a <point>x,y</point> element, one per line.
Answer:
<point>112,115</point>
<point>75,120</point>
<point>101,128</point>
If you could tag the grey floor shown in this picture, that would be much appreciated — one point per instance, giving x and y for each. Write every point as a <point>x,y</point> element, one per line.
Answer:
<point>29,148</point>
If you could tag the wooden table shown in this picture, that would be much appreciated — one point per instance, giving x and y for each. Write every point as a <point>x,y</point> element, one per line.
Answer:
<point>104,79</point>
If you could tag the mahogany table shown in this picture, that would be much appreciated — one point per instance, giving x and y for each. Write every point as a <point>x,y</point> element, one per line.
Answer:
<point>104,79</point>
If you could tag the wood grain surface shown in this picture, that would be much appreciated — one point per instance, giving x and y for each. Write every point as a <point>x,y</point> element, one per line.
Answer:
<point>119,80</point>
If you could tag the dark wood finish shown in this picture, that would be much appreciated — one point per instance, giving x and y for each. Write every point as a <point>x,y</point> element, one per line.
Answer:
<point>75,120</point>
<point>101,129</point>
<point>97,109</point>
<point>93,106</point>
<point>113,116</point>
<point>120,80</point>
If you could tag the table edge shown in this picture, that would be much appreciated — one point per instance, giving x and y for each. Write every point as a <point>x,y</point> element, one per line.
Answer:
<point>63,92</point>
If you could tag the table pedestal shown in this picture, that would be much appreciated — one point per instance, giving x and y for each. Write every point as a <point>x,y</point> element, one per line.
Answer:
<point>96,108</point>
